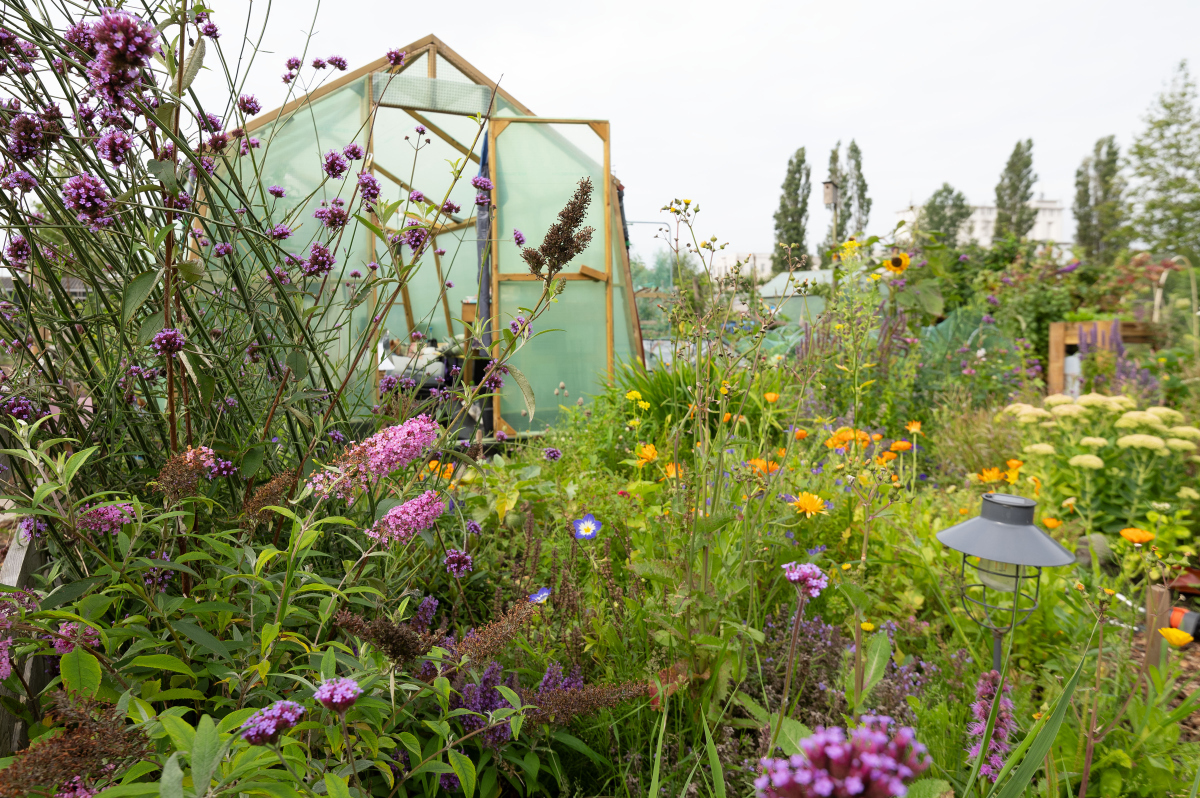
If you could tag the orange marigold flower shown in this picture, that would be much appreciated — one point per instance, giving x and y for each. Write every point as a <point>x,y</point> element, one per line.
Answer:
<point>771,398</point>
<point>646,453</point>
<point>876,437</point>
<point>913,427</point>
<point>725,419</point>
<point>1051,523</point>
<point>810,504</point>
<point>962,511</point>
<point>988,475</point>
<point>801,434</point>
<point>672,470</point>
<point>762,466</point>
<point>1137,536</point>
<point>901,446</point>
<point>781,452</point>
<point>1015,464</point>
<point>888,456</point>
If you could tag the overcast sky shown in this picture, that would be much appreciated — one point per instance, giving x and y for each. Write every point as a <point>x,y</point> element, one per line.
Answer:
<point>708,100</point>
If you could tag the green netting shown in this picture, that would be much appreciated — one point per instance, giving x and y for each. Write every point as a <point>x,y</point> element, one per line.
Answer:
<point>409,90</point>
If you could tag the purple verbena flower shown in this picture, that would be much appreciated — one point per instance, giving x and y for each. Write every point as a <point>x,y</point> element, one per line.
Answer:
<point>168,342</point>
<point>551,454</point>
<point>249,104</point>
<point>320,260</point>
<point>318,63</point>
<point>808,578</point>
<point>483,200</point>
<point>369,187</point>
<point>481,183</point>
<point>265,726</point>
<point>210,30</point>
<point>333,214</point>
<point>338,694</point>
<point>518,237</point>
<point>335,165</point>
<point>222,248</point>
<point>449,207</point>
<point>86,197</point>
<point>19,181</point>
<point>396,57</point>
<point>354,152</point>
<point>473,528</point>
<point>293,63</point>
<point>416,196</point>
<point>114,146</point>
<point>280,231</point>
<point>338,62</point>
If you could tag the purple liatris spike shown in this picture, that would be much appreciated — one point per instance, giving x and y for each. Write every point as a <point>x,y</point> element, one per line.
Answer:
<point>338,695</point>
<point>985,694</point>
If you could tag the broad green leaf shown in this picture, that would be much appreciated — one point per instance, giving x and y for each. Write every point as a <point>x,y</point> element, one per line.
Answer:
<point>526,390</point>
<point>162,662</point>
<point>464,768</point>
<point>269,632</point>
<point>80,671</point>
<point>165,114</point>
<point>251,462</point>
<point>410,741</point>
<point>171,783</point>
<point>179,730</point>
<point>207,753</point>
<point>329,664</point>
<point>151,326</point>
<point>191,65</point>
<point>336,786</point>
<point>75,463</point>
<point>164,172</point>
<point>69,592</point>
<point>790,734</point>
<point>930,788</point>
<point>755,709</point>
<point>879,651</point>
<point>662,733</point>
<point>580,746</point>
<point>191,270</point>
<point>136,292</point>
<point>297,361</point>
<point>202,638</point>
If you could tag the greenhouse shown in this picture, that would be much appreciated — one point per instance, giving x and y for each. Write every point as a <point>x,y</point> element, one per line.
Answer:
<point>473,269</point>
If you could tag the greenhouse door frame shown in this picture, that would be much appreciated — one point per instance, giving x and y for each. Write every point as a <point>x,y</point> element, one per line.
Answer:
<point>601,128</point>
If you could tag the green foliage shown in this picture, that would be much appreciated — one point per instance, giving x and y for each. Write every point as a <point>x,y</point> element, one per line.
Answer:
<point>791,220</point>
<point>1101,227</point>
<point>1013,193</point>
<point>945,212</point>
<point>856,190</point>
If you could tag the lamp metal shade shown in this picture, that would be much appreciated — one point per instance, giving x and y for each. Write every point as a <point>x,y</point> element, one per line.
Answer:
<point>1004,532</point>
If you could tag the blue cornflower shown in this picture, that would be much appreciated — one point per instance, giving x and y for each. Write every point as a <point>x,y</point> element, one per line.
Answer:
<point>813,552</point>
<point>587,527</point>
<point>540,596</point>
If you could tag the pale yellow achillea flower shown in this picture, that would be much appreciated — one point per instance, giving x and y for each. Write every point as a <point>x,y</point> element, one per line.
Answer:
<point>1122,402</point>
<point>1086,461</point>
<point>1166,415</point>
<point>1032,415</point>
<point>1057,399</point>
<point>1096,400</point>
<point>1141,442</point>
<point>1068,411</point>
<point>1187,433</point>
<point>1038,448</point>
<point>1017,408</point>
<point>1180,445</point>
<point>1187,493</point>
<point>1093,442</point>
<point>1139,418</point>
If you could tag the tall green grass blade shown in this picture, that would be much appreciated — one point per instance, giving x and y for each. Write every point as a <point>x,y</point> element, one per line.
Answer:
<point>662,733</point>
<point>714,761</point>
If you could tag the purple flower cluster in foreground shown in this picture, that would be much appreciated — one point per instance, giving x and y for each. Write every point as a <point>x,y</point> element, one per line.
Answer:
<point>168,342</point>
<point>335,165</point>
<point>423,617</point>
<point>72,633</point>
<point>484,698</point>
<point>387,450</point>
<point>458,563</point>
<point>114,146</point>
<point>403,521</point>
<point>808,578</point>
<point>320,261</point>
<point>265,726</point>
<point>368,187</point>
<point>31,528</point>
<point>249,104</point>
<point>985,694</point>
<point>86,197</point>
<point>106,520</point>
<point>551,454</point>
<point>338,695</point>
<point>876,760</point>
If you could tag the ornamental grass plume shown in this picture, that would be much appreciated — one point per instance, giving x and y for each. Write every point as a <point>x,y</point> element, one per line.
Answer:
<point>876,759</point>
<point>96,747</point>
<point>985,694</point>
<point>565,239</point>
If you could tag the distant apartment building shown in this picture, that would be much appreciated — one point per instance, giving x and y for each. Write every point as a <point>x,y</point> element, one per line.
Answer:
<point>1050,224</point>
<point>756,264</point>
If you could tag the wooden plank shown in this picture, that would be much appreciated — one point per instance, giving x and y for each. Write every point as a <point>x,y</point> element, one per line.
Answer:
<point>601,129</point>
<point>498,126</point>
<point>409,319</point>
<point>431,57</point>
<point>441,134</point>
<point>557,121</point>
<point>22,561</point>
<point>593,274</point>
<point>378,65</point>
<point>524,277</point>
<point>635,322</point>
<point>1158,616</point>
<point>1058,352</point>
<point>610,333</point>
<point>474,74</point>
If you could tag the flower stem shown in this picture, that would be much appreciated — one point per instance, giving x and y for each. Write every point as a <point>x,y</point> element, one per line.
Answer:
<point>791,666</point>
<point>349,753</point>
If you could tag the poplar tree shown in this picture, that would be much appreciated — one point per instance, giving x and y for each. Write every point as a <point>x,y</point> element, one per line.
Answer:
<point>1100,219</point>
<point>841,221</point>
<point>791,220</point>
<point>944,212</point>
<point>856,191</point>
<point>1014,191</point>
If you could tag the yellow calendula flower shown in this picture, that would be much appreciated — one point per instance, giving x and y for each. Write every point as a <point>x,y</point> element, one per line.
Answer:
<point>1110,591</point>
<point>633,396</point>
<point>1051,523</point>
<point>1176,637</point>
<point>913,427</point>
<point>644,405</point>
<point>989,475</point>
<point>672,470</point>
<point>810,504</point>
<point>1137,536</point>
<point>867,626</point>
<point>771,398</point>
<point>646,453</point>
<point>846,566</point>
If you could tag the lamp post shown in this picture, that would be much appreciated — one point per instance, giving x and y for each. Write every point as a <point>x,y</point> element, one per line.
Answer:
<point>1009,553</point>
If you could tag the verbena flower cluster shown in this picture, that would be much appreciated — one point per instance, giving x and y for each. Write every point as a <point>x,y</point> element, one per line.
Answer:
<point>265,726</point>
<point>875,760</point>
<point>808,578</point>
<point>338,695</point>
<point>458,563</point>
<point>106,520</point>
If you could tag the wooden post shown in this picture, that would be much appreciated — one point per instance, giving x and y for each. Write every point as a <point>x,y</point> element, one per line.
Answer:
<point>495,128</point>
<point>1158,615</point>
<point>22,560</point>
<point>1055,380</point>
<point>608,244</point>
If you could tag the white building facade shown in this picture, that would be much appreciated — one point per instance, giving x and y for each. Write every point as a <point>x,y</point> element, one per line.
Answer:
<point>1050,224</point>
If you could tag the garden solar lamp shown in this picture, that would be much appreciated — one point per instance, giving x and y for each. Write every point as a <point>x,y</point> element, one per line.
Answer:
<point>1007,553</point>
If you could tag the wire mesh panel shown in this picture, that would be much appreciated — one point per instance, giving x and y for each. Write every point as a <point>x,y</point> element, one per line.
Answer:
<point>431,94</point>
